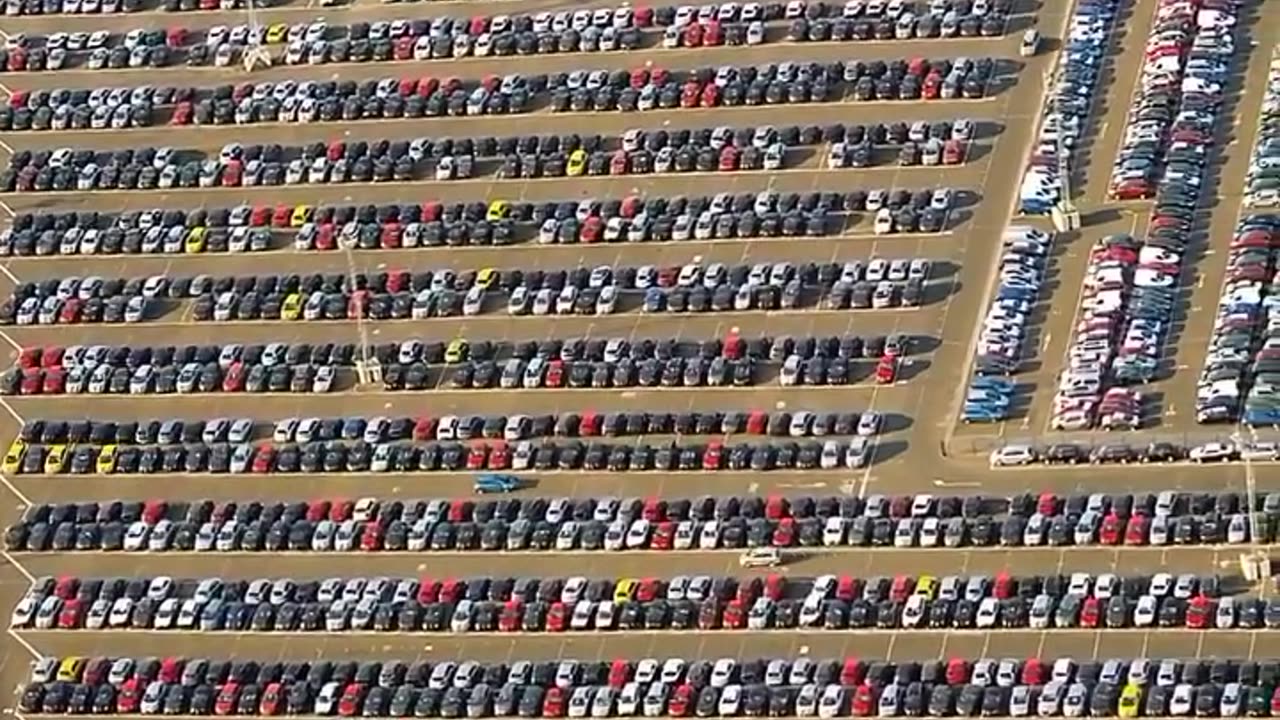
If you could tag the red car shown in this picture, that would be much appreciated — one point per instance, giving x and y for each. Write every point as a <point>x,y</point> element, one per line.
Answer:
<point>153,510</point>
<point>500,456</point>
<point>264,459</point>
<point>785,534</point>
<point>648,590</point>
<point>887,370</point>
<point>1034,672</point>
<point>390,237</point>
<point>460,511</point>
<point>477,456</point>
<point>428,591</point>
<point>555,374</point>
<point>681,701</point>
<point>352,698</point>
<point>260,216</point>
<point>864,701</point>
<point>29,358</point>
<point>70,617</point>
<point>728,158</point>
<point>371,538</point>
<point>619,164</point>
<point>32,382</point>
<point>557,617</point>
<point>957,671</point>
<point>553,702</point>
<point>852,672</point>
<point>619,673</point>
<point>710,96</point>
<point>50,357</point>
<point>424,429</point>
<point>511,615</point>
<point>954,152</point>
<point>1090,612</point>
<point>233,381</point>
<point>403,50</point>
<point>734,616</point>
<point>592,229</point>
<point>713,456</point>
<point>692,36</point>
<point>171,670</point>
<point>1047,504</point>
<point>232,173</point>
<point>55,381</point>
<point>1137,532</point>
<point>1199,613</point>
<point>341,510</point>
<point>713,35</point>
<point>70,312</point>
<point>225,703</point>
<point>664,534</point>
<point>317,510</point>
<point>690,94</point>
<point>1132,190</point>
<point>1112,529</point>
<point>451,589</point>
<point>776,507</point>
<point>129,697</point>
<point>271,698</point>
<point>181,114</point>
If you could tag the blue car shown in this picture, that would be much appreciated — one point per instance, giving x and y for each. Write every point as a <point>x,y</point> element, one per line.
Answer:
<point>491,483</point>
<point>979,413</point>
<point>987,382</point>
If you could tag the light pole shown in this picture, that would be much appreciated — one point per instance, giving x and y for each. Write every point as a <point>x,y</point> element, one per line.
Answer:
<point>368,370</point>
<point>1255,564</point>
<point>255,54</point>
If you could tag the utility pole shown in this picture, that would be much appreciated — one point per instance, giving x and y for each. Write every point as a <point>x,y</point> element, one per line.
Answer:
<point>368,370</point>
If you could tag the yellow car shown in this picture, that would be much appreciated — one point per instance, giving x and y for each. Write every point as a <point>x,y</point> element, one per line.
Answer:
<point>54,461</point>
<point>457,351</point>
<point>301,215</point>
<point>277,34</point>
<point>498,210</point>
<point>107,459</point>
<point>13,458</point>
<point>71,669</point>
<point>291,308</point>
<point>577,163</point>
<point>927,586</point>
<point>624,590</point>
<point>486,278</point>
<point>1130,701</point>
<point>195,240</point>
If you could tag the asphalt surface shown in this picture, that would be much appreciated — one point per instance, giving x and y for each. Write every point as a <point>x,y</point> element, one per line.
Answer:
<point>923,451</point>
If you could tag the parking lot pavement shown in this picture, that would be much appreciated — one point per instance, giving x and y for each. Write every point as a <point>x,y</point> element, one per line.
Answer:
<point>912,458</point>
<point>893,472</point>
<point>858,562</point>
<point>899,646</point>
<point>500,326</point>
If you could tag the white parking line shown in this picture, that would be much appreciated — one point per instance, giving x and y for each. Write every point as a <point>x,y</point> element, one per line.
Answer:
<point>4,480</point>
<point>35,654</point>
